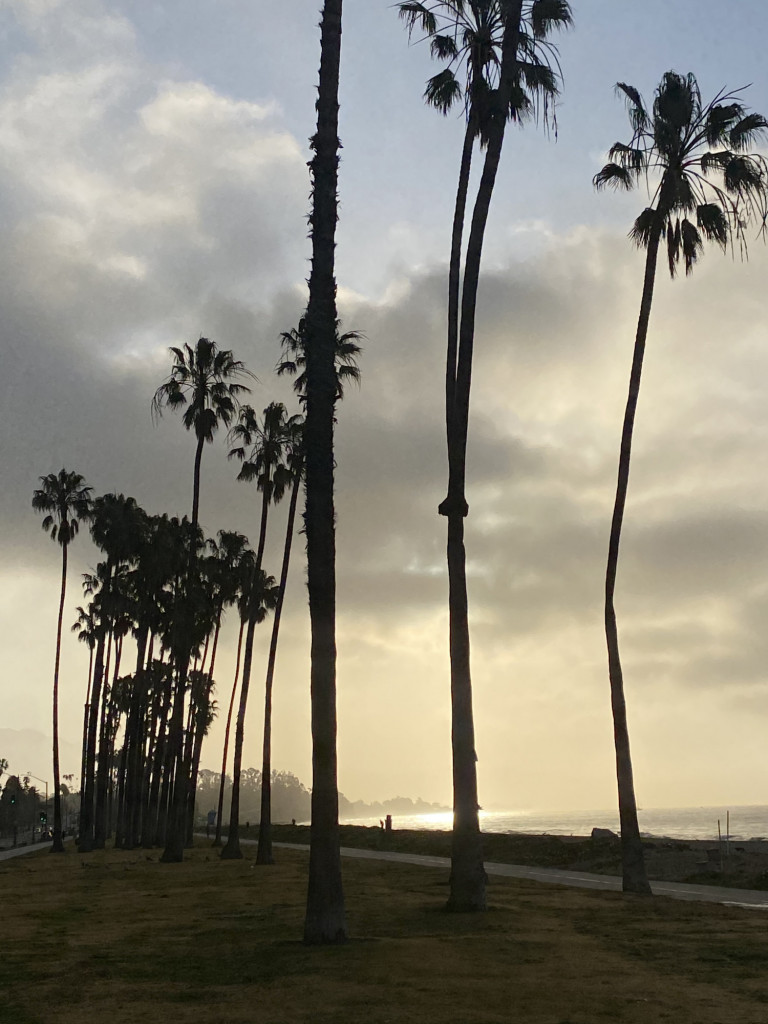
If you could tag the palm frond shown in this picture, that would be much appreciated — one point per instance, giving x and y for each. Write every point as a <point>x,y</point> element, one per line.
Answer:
<point>443,47</point>
<point>638,115</point>
<point>746,132</point>
<point>692,244</point>
<point>615,176</point>
<point>631,158</point>
<point>443,91</point>
<point>715,159</point>
<point>713,222</point>
<point>744,176</point>
<point>721,119</point>
<point>643,228</point>
<point>547,15</point>
<point>414,14</point>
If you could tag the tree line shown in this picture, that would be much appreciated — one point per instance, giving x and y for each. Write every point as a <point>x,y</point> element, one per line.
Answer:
<point>498,64</point>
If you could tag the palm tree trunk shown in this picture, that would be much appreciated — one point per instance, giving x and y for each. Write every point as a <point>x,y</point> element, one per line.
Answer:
<point>177,791</point>
<point>325,920</point>
<point>264,851</point>
<point>634,876</point>
<point>134,741</point>
<point>197,749</point>
<point>86,710</point>
<point>58,845</point>
<point>101,817</point>
<point>220,809</point>
<point>151,826</point>
<point>232,849</point>
<point>196,487</point>
<point>468,879</point>
<point>87,800</point>
<point>454,278</point>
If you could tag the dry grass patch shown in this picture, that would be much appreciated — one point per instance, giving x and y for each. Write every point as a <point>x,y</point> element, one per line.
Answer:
<point>120,937</point>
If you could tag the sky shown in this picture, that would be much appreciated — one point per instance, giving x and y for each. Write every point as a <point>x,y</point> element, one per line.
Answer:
<point>154,188</point>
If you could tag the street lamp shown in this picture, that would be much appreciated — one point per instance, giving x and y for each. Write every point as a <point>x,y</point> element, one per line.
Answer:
<point>29,775</point>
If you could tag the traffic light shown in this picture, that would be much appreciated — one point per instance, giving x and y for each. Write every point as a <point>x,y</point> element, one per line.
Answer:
<point>43,818</point>
<point>13,799</point>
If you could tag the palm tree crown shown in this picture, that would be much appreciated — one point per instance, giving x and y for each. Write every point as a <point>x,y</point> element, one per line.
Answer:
<point>294,361</point>
<point>203,382</point>
<point>468,35</point>
<point>65,500</point>
<point>709,187</point>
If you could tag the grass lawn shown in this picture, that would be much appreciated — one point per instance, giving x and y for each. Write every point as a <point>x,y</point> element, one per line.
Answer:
<point>119,938</point>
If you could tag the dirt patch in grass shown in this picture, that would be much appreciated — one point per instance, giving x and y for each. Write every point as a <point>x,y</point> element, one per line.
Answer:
<point>120,937</point>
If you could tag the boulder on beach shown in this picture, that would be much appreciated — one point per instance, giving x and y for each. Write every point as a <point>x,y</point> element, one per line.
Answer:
<point>603,833</point>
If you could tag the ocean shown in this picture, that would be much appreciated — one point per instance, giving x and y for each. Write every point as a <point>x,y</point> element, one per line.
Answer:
<point>675,823</point>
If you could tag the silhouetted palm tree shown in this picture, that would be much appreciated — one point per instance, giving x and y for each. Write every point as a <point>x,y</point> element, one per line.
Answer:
<point>324,921</point>
<point>204,383</point>
<point>467,35</point>
<point>708,189</point>
<point>294,360</point>
<point>258,597</point>
<point>65,500</point>
<point>262,453</point>
<point>295,462</point>
<point>116,524</point>
<point>229,553</point>
<point>502,48</point>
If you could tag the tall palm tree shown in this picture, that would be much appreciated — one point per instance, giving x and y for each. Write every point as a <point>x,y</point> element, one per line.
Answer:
<point>707,188</point>
<point>295,463</point>
<point>258,597</point>
<point>507,74</point>
<point>467,35</point>
<point>86,629</point>
<point>324,920</point>
<point>227,556</point>
<point>116,525</point>
<point>204,381</point>
<point>262,453</point>
<point>64,499</point>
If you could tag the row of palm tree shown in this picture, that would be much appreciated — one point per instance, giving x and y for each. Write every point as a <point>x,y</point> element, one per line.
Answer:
<point>500,63</point>
<point>168,587</point>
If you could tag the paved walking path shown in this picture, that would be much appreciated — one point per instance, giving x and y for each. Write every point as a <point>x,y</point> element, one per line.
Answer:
<point>19,851</point>
<point>752,898</point>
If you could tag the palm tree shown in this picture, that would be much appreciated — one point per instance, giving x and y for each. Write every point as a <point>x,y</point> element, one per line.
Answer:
<point>262,453</point>
<point>324,921</point>
<point>228,555</point>
<point>296,468</point>
<point>294,360</point>
<point>86,629</point>
<point>258,597</point>
<point>708,188</point>
<point>468,35</point>
<point>502,45</point>
<point>116,526</point>
<point>204,383</point>
<point>64,500</point>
